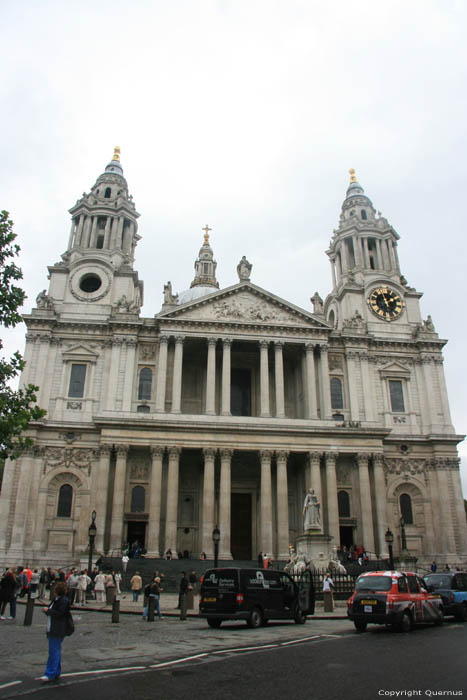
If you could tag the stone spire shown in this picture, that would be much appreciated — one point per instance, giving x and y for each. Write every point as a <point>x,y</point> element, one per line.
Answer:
<point>205,265</point>
<point>105,218</point>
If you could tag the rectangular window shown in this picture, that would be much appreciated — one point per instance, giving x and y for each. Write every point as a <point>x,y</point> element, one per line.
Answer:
<point>77,377</point>
<point>397,396</point>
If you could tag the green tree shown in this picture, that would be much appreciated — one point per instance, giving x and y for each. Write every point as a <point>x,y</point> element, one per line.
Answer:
<point>17,408</point>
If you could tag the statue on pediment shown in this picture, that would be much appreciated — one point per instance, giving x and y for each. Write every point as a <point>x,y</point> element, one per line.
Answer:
<point>169,298</point>
<point>244,270</point>
<point>318,304</point>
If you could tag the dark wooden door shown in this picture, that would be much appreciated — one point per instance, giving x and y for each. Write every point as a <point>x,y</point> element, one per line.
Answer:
<point>240,536</point>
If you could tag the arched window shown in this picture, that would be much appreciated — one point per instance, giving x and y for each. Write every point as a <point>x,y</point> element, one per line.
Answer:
<point>108,192</point>
<point>145,384</point>
<point>65,500</point>
<point>138,496</point>
<point>406,508</point>
<point>337,397</point>
<point>363,213</point>
<point>343,503</point>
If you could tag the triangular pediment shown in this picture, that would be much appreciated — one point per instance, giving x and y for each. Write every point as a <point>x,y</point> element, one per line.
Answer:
<point>394,369</point>
<point>244,303</point>
<point>80,351</point>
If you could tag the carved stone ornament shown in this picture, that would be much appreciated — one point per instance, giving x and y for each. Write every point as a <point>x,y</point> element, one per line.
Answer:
<point>147,352</point>
<point>244,270</point>
<point>399,466</point>
<point>74,405</point>
<point>343,473</point>
<point>79,458</point>
<point>335,361</point>
<point>139,471</point>
<point>356,322</point>
<point>243,306</point>
<point>444,464</point>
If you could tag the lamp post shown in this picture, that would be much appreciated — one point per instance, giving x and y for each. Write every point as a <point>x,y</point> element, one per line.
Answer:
<point>216,536</point>
<point>403,537</point>
<point>389,537</point>
<point>92,536</point>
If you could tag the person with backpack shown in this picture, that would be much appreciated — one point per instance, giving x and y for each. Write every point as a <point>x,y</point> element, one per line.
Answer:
<point>59,625</point>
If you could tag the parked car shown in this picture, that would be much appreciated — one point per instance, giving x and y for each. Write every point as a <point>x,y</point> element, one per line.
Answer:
<point>256,596</point>
<point>452,587</point>
<point>395,598</point>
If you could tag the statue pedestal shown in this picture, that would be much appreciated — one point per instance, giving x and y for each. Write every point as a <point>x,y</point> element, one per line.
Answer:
<point>315,546</point>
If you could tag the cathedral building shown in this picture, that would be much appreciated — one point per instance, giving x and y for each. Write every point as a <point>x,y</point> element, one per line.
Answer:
<point>225,407</point>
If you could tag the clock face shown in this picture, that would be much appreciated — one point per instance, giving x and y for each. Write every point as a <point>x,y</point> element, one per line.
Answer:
<point>385,303</point>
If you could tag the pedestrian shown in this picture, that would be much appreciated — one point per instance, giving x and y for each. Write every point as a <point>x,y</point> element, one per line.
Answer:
<point>73,586</point>
<point>260,560</point>
<point>43,580</point>
<point>34,582</point>
<point>154,591</point>
<point>8,592</point>
<point>99,587</point>
<point>118,581</point>
<point>109,588</point>
<point>328,587</point>
<point>168,554</point>
<point>59,625</point>
<point>136,584</point>
<point>446,568</point>
<point>125,560</point>
<point>82,587</point>
<point>434,566</point>
<point>183,591</point>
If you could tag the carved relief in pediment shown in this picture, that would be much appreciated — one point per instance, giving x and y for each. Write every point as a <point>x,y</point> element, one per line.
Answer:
<point>242,307</point>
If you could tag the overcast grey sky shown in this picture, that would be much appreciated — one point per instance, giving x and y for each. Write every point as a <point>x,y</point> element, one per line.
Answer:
<point>246,115</point>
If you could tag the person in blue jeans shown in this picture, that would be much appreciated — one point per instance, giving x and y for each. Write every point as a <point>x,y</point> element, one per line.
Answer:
<point>154,592</point>
<point>57,614</point>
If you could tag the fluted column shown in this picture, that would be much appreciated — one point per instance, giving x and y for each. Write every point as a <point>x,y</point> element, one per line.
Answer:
<point>351,357</point>
<point>171,520</point>
<point>314,481</point>
<point>224,504</point>
<point>279,379</point>
<point>211,379</point>
<point>447,531</point>
<point>365,503</point>
<point>381,515</point>
<point>22,500</point>
<point>326,411</point>
<point>154,525</point>
<point>92,239</point>
<point>282,507</point>
<point>128,386</point>
<point>79,234</point>
<point>108,224</point>
<point>264,377</point>
<point>311,381</point>
<point>161,374</point>
<point>208,502</point>
<point>101,495</point>
<point>177,375</point>
<point>118,503</point>
<point>331,493</point>
<point>6,498</point>
<point>116,344</point>
<point>366,253</point>
<point>266,502</point>
<point>226,346</point>
<point>39,535</point>
<point>367,384</point>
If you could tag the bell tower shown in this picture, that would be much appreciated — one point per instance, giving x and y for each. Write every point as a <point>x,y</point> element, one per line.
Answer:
<point>96,271</point>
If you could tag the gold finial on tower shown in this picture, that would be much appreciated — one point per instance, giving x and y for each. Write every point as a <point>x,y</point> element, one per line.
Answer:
<point>353,177</point>
<point>116,155</point>
<point>206,229</point>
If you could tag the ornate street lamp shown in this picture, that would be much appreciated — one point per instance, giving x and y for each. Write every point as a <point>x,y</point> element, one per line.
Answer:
<point>389,537</point>
<point>216,536</point>
<point>92,530</point>
<point>403,537</point>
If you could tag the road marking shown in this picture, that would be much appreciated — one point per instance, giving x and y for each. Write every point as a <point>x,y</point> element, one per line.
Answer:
<point>260,646</point>
<point>8,685</point>
<point>178,661</point>
<point>102,670</point>
<point>298,641</point>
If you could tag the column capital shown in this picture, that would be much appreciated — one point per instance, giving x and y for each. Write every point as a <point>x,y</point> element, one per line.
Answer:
<point>309,347</point>
<point>105,450</point>
<point>212,341</point>
<point>264,344</point>
<point>157,451</point>
<point>227,342</point>
<point>174,451</point>
<point>265,455</point>
<point>378,459</point>
<point>179,339</point>
<point>323,347</point>
<point>163,339</point>
<point>122,450</point>
<point>282,456</point>
<point>331,457</point>
<point>314,457</point>
<point>279,344</point>
<point>362,459</point>
<point>209,452</point>
<point>226,453</point>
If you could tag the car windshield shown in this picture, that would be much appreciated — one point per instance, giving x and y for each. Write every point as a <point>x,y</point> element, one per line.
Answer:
<point>438,581</point>
<point>374,583</point>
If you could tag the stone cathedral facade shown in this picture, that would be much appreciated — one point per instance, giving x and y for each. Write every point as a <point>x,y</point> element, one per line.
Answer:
<point>224,407</point>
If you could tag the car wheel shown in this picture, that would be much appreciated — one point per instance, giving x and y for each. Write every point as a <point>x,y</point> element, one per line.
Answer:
<point>256,618</point>
<point>213,622</point>
<point>462,614</point>
<point>299,616</point>
<point>360,626</point>
<point>405,624</point>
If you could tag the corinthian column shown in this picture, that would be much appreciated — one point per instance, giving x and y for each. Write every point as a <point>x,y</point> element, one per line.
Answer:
<point>266,502</point>
<point>264,377</point>
<point>101,495</point>
<point>351,357</point>
<point>171,519</point>
<point>211,378</point>
<point>154,525</point>
<point>365,503</point>
<point>279,380</point>
<point>331,492</point>
<point>381,516</point>
<point>282,507</point>
<point>326,411</point>
<point>22,500</point>
<point>161,374</point>
<point>224,504</point>
<point>226,344</point>
<point>311,381</point>
<point>116,525</point>
<point>208,502</point>
<point>177,375</point>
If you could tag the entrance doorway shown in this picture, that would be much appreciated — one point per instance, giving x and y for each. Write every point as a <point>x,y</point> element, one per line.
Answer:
<point>240,392</point>
<point>240,534</point>
<point>346,535</point>
<point>136,532</point>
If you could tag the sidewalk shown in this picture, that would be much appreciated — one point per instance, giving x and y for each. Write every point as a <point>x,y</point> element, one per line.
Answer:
<point>169,601</point>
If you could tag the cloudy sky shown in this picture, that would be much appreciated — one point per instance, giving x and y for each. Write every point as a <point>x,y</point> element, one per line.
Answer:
<point>245,115</point>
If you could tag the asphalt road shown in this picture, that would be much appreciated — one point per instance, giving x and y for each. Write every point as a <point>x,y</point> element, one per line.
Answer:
<point>284,661</point>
